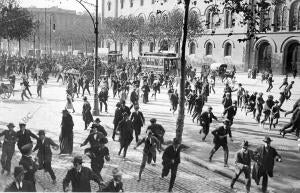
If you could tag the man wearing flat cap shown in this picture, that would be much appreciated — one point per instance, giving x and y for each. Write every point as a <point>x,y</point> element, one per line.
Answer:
<point>29,164</point>
<point>80,177</point>
<point>243,165</point>
<point>171,160</point>
<point>45,154</point>
<point>115,184</point>
<point>263,167</point>
<point>220,139</point>
<point>24,136</point>
<point>8,149</point>
<point>19,184</point>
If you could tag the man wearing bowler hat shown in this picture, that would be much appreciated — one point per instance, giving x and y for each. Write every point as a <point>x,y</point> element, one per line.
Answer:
<point>19,184</point>
<point>243,165</point>
<point>264,157</point>
<point>29,164</point>
<point>8,149</point>
<point>24,136</point>
<point>171,160</point>
<point>80,177</point>
<point>45,154</point>
<point>220,139</point>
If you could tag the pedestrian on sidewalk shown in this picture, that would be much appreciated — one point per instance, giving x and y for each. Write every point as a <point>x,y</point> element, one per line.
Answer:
<point>227,100</point>
<point>80,84</point>
<point>23,88</point>
<point>263,167</point>
<point>171,160</point>
<point>115,184</point>
<point>146,89</point>
<point>243,165</point>
<point>134,98</point>
<point>66,134</point>
<point>86,113</point>
<point>24,136</point>
<point>240,93</point>
<point>75,88</point>
<point>205,121</point>
<point>25,82</point>
<point>86,86</point>
<point>294,124</point>
<point>8,148</point>
<point>287,90</point>
<point>251,104</point>
<point>230,112</point>
<point>220,140</point>
<point>29,164</point>
<point>138,121</point>
<point>174,101</point>
<point>245,100</point>
<point>93,140</point>
<point>259,106</point>
<point>117,118</point>
<point>149,152</point>
<point>275,114</point>
<point>80,177</point>
<point>69,104</point>
<point>191,98</point>
<point>45,154</point>
<point>284,82</point>
<point>103,96</point>
<point>19,184</point>
<point>270,82</point>
<point>267,109</point>
<point>126,134</point>
<point>39,85</point>
<point>199,103</point>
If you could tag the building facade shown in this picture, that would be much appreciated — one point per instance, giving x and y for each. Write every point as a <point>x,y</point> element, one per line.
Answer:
<point>278,49</point>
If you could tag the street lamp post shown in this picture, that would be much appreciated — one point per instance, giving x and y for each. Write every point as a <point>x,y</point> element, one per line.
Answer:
<point>96,31</point>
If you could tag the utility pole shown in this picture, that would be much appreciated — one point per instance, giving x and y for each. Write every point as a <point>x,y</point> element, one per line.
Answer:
<point>45,31</point>
<point>96,102</point>
<point>50,28</point>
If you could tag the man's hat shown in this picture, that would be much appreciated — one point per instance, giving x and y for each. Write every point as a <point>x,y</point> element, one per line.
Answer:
<point>276,101</point>
<point>267,139</point>
<point>176,141</point>
<point>116,172</point>
<point>18,171</point>
<point>209,107</point>
<point>41,132</point>
<point>234,102</point>
<point>26,149</point>
<point>77,160</point>
<point>153,120</point>
<point>118,104</point>
<point>245,144</point>
<point>97,120</point>
<point>10,125</point>
<point>84,98</point>
<point>226,121</point>
<point>22,123</point>
<point>270,96</point>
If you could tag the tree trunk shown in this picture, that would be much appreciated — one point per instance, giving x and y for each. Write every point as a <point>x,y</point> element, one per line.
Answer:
<point>180,118</point>
<point>19,47</point>
<point>8,47</point>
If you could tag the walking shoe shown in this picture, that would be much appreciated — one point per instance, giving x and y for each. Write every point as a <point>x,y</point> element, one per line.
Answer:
<point>209,159</point>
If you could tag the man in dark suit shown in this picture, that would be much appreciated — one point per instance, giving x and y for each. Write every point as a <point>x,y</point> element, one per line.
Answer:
<point>171,160</point>
<point>103,96</point>
<point>157,130</point>
<point>243,165</point>
<point>134,98</point>
<point>80,177</point>
<point>99,127</point>
<point>138,121</point>
<point>230,112</point>
<point>149,152</point>
<point>264,157</point>
<point>220,139</point>
<point>19,184</point>
<point>45,154</point>
<point>24,136</point>
<point>205,121</point>
<point>8,149</point>
<point>114,185</point>
<point>30,166</point>
<point>93,139</point>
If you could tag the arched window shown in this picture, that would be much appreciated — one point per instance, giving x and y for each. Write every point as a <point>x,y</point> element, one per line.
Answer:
<point>141,20</point>
<point>151,47</point>
<point>165,19</point>
<point>192,48</point>
<point>227,49</point>
<point>140,48</point>
<point>210,19</point>
<point>278,18</point>
<point>122,4</point>
<point>228,19</point>
<point>131,3</point>
<point>294,16</point>
<point>129,46</point>
<point>142,2</point>
<point>109,5</point>
<point>209,48</point>
<point>164,45</point>
<point>284,17</point>
<point>265,20</point>
<point>193,15</point>
<point>121,47</point>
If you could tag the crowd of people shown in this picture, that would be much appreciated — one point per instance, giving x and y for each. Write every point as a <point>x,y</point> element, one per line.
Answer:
<point>128,124</point>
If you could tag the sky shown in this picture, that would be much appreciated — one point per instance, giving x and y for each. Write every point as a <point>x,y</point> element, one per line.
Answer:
<point>64,4</point>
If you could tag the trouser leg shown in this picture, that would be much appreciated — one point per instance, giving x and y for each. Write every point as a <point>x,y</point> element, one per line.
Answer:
<point>125,151</point>
<point>143,165</point>
<point>173,176</point>
<point>265,182</point>
<point>4,159</point>
<point>226,152</point>
<point>165,170</point>
<point>287,126</point>
<point>213,151</point>
<point>48,168</point>
<point>27,88</point>
<point>234,179</point>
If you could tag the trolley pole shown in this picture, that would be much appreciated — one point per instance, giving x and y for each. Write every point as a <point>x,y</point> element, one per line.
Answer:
<point>96,102</point>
